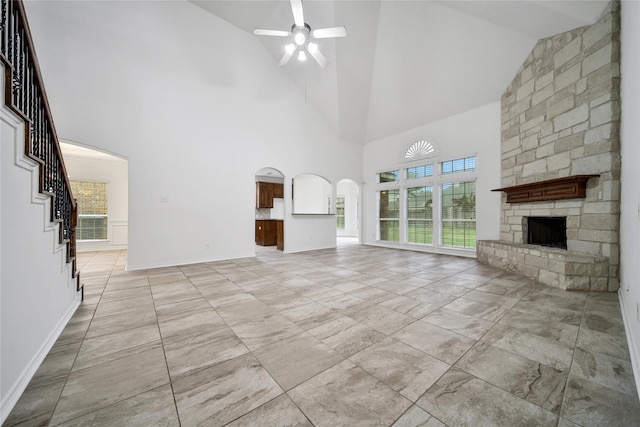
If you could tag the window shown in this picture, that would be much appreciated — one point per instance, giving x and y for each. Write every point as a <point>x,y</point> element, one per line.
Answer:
<point>419,149</point>
<point>459,165</point>
<point>340,212</point>
<point>390,176</point>
<point>389,215</point>
<point>420,215</point>
<point>458,215</point>
<point>419,171</point>
<point>92,209</point>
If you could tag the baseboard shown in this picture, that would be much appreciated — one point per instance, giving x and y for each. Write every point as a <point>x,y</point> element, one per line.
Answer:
<point>135,267</point>
<point>634,350</point>
<point>12,397</point>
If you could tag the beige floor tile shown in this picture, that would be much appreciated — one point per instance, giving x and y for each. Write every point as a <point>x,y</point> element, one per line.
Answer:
<point>262,331</point>
<point>535,347</point>
<point>152,408</point>
<point>185,357</point>
<point>346,336</point>
<point>294,360</point>
<point>540,384</point>
<point>280,411</point>
<point>435,341</point>
<point>406,370</point>
<point>223,392</point>
<point>590,404</point>
<point>417,417</point>
<point>105,348</point>
<point>459,398</point>
<point>382,319</point>
<point>347,395</point>
<point>460,323</point>
<point>102,385</point>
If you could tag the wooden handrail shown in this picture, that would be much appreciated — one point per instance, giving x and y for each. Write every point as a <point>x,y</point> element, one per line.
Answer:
<point>25,96</point>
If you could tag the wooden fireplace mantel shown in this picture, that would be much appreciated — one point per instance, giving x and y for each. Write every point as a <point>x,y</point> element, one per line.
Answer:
<point>570,187</point>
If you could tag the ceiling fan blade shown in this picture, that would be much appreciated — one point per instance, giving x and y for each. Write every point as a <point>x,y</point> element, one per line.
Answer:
<point>298,15</point>
<point>276,33</point>
<point>317,55</point>
<point>325,33</point>
<point>288,53</point>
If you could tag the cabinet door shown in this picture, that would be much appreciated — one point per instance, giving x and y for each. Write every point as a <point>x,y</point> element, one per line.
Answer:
<point>278,191</point>
<point>280,235</point>
<point>264,195</point>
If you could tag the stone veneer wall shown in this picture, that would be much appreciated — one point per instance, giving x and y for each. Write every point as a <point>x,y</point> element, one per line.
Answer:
<point>561,117</point>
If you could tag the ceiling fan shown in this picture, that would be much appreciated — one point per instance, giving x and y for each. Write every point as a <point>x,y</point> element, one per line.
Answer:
<point>303,37</point>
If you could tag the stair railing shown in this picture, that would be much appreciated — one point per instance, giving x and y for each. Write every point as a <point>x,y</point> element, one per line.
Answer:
<point>25,96</point>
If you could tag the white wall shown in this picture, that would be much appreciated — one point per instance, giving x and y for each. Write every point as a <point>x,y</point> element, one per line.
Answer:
<point>37,294</point>
<point>312,195</point>
<point>112,171</point>
<point>630,200</point>
<point>476,131</point>
<point>351,193</point>
<point>195,114</point>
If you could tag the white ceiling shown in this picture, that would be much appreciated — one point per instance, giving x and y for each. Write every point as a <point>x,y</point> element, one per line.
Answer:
<point>407,63</point>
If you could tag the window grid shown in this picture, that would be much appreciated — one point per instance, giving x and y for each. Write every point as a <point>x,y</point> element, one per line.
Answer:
<point>421,171</point>
<point>340,213</point>
<point>389,215</point>
<point>389,176</point>
<point>420,215</point>
<point>92,209</point>
<point>464,164</point>
<point>458,214</point>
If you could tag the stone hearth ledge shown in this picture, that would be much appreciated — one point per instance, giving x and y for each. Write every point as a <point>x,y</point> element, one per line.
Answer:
<point>567,270</point>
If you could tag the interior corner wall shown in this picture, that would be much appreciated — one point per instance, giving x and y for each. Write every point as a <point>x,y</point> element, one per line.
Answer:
<point>630,199</point>
<point>195,127</point>
<point>473,132</point>
<point>115,174</point>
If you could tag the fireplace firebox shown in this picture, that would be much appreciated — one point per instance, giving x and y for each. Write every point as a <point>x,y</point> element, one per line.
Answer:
<point>547,231</point>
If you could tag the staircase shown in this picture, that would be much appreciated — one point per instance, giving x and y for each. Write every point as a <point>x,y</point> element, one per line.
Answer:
<point>26,97</point>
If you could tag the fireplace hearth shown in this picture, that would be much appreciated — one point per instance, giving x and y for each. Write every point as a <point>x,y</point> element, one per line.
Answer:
<point>547,231</point>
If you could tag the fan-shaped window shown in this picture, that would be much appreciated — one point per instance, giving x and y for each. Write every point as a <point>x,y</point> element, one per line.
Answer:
<point>419,149</point>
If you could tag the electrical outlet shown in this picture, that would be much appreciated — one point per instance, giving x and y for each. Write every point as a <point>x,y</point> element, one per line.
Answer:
<point>164,199</point>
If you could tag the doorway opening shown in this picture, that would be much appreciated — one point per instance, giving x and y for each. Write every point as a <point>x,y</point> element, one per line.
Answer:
<point>347,213</point>
<point>101,186</point>
<point>269,214</point>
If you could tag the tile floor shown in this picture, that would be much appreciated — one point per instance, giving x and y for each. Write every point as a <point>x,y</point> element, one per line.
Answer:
<point>354,336</point>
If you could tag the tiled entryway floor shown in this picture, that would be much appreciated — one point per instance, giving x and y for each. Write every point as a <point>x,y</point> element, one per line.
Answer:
<point>354,336</point>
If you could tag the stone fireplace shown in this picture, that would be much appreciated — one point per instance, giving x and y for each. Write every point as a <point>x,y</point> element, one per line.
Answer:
<point>561,161</point>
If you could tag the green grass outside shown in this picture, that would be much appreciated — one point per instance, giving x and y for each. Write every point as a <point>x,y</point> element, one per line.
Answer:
<point>457,234</point>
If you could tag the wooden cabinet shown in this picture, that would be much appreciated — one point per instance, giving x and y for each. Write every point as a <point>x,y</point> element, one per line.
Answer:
<point>278,191</point>
<point>266,192</point>
<point>266,232</point>
<point>264,195</point>
<point>280,235</point>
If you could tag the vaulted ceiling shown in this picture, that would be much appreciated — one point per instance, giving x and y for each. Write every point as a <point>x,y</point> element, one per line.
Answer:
<point>407,63</point>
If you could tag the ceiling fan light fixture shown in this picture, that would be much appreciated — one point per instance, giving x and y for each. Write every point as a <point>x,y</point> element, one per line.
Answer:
<point>290,48</point>
<point>312,47</point>
<point>302,56</point>
<point>299,38</point>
